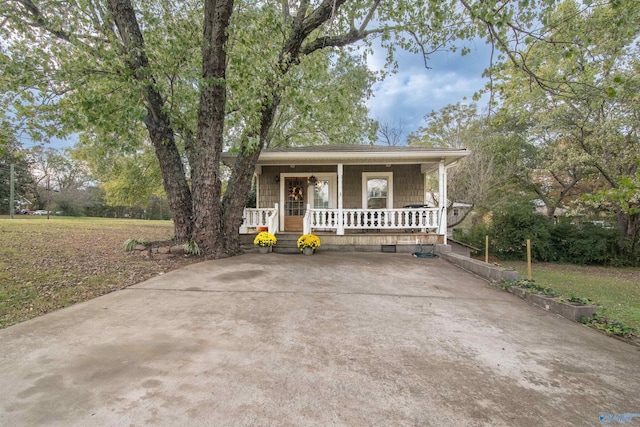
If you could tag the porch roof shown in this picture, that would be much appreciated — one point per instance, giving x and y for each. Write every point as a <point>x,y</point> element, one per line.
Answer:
<point>359,154</point>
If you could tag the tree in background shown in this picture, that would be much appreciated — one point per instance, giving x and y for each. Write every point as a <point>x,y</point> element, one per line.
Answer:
<point>484,179</point>
<point>60,183</point>
<point>130,178</point>
<point>11,153</point>
<point>392,133</point>
<point>451,127</point>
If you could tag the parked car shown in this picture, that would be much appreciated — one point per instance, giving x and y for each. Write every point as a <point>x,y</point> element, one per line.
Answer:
<point>40,212</point>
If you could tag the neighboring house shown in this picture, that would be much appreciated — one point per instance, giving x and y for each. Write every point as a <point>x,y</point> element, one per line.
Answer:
<point>456,211</point>
<point>348,192</point>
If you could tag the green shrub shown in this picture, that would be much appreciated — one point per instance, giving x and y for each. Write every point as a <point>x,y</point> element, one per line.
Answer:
<point>130,244</point>
<point>475,236</point>
<point>513,225</point>
<point>564,242</point>
<point>582,244</point>
<point>192,248</point>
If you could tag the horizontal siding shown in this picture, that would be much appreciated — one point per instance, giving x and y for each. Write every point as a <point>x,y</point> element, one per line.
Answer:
<point>408,183</point>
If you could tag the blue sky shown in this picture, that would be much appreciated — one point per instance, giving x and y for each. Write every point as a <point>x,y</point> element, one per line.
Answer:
<point>412,93</point>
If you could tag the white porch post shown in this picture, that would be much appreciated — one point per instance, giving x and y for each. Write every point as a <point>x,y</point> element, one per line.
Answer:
<point>306,227</point>
<point>243,227</point>
<point>256,176</point>
<point>340,228</point>
<point>442,202</point>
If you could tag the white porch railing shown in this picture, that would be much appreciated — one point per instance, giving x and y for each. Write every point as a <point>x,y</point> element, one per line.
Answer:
<point>378,219</point>
<point>354,219</point>
<point>260,217</point>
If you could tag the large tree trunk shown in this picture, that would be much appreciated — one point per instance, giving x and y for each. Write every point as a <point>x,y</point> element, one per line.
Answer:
<point>156,121</point>
<point>214,222</point>
<point>235,199</point>
<point>173,180</point>
<point>244,167</point>
<point>207,207</point>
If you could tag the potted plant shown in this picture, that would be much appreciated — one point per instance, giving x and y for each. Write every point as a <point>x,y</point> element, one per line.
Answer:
<point>264,240</point>
<point>307,243</point>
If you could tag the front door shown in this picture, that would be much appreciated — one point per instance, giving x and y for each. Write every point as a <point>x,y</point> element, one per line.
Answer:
<point>295,202</point>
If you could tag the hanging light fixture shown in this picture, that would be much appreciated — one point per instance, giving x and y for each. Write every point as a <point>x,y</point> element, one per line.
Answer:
<point>312,180</point>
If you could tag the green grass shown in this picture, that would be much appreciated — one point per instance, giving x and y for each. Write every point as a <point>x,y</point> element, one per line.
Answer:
<point>49,264</point>
<point>615,290</point>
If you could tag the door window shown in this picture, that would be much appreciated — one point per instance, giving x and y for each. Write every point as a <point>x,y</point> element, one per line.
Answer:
<point>296,200</point>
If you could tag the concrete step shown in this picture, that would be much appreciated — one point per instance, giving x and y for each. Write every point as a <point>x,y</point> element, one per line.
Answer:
<point>286,249</point>
<point>287,243</point>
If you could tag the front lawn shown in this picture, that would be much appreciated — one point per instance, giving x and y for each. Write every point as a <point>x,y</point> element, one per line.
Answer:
<point>49,264</point>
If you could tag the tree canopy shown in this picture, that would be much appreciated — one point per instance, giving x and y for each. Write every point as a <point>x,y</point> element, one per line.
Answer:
<point>581,107</point>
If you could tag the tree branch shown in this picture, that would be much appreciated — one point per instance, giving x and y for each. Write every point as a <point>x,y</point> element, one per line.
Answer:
<point>337,41</point>
<point>285,10</point>
<point>38,20</point>
<point>369,16</point>
<point>302,12</point>
<point>319,16</point>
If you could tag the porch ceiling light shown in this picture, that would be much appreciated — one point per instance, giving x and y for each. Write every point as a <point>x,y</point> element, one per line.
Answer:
<point>312,179</point>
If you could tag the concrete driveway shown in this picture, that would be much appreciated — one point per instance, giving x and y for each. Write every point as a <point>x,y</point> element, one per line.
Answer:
<point>350,339</point>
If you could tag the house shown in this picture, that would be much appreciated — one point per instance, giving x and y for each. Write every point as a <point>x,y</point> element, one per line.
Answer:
<point>351,194</point>
<point>456,211</point>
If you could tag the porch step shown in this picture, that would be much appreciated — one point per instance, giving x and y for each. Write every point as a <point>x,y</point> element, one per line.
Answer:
<point>287,243</point>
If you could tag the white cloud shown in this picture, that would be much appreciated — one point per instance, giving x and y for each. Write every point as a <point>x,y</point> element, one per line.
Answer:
<point>415,91</point>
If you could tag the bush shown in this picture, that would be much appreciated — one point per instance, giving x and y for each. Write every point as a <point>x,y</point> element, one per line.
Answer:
<point>475,236</point>
<point>512,225</point>
<point>582,244</point>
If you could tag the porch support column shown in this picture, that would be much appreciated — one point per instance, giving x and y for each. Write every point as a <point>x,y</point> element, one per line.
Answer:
<point>256,176</point>
<point>442,200</point>
<point>340,229</point>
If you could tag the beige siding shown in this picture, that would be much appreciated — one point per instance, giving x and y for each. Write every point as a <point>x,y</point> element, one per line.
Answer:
<point>268,189</point>
<point>408,184</point>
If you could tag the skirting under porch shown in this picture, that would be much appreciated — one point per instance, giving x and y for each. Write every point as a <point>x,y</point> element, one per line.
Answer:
<point>366,241</point>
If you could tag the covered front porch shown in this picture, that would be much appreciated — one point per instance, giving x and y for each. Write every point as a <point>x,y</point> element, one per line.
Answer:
<point>354,195</point>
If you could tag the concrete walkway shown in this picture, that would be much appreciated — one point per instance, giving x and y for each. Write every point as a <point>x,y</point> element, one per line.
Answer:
<point>334,339</point>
